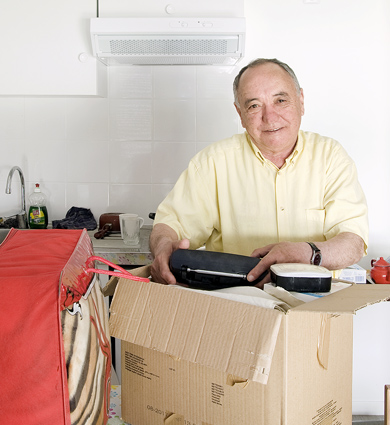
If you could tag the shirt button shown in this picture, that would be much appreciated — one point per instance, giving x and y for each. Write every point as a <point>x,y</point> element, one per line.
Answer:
<point>281,208</point>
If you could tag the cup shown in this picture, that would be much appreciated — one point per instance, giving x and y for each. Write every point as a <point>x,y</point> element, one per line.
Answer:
<point>130,228</point>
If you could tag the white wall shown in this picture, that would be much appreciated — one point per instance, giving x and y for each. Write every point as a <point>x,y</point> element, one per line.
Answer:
<point>125,152</point>
<point>371,351</point>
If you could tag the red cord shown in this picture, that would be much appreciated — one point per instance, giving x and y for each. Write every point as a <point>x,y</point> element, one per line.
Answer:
<point>119,274</point>
<point>123,273</point>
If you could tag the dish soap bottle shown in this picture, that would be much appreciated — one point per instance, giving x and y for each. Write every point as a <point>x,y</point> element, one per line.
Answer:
<point>37,214</point>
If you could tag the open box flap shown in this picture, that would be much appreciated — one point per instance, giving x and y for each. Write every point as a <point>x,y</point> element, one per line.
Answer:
<point>348,300</point>
<point>109,289</point>
<point>233,337</point>
<point>110,286</point>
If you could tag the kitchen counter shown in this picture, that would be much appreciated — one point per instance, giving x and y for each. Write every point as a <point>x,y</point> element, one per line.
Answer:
<point>112,248</point>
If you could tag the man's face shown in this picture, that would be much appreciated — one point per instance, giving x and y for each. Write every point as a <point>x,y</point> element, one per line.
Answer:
<point>270,108</point>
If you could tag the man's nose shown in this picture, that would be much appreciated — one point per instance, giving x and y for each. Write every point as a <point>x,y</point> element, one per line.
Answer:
<point>269,113</point>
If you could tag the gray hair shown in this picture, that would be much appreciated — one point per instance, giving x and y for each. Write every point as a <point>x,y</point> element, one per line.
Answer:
<point>262,61</point>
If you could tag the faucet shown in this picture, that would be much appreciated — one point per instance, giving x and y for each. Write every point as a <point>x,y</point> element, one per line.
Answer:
<point>22,216</point>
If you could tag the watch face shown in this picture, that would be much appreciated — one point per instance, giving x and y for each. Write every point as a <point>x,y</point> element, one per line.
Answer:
<point>317,259</point>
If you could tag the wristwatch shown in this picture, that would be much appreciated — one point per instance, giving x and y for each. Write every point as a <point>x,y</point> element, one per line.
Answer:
<point>316,257</point>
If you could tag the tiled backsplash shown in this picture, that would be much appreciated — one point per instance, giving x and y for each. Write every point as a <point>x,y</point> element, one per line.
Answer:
<point>120,154</point>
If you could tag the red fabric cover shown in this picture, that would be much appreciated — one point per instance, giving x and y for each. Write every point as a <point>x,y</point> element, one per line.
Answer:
<point>33,378</point>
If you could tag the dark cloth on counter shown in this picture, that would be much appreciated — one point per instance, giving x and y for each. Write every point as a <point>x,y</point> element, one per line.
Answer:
<point>76,218</point>
<point>8,222</point>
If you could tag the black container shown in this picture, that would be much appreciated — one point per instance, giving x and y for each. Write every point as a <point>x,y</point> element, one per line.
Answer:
<point>211,270</point>
<point>301,277</point>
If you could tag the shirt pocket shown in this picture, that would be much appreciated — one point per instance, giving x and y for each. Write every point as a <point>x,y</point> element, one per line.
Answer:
<point>315,222</point>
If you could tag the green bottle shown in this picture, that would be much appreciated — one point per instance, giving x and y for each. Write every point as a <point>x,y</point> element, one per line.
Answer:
<point>37,214</point>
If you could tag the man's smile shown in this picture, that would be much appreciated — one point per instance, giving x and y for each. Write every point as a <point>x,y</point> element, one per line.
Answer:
<point>272,130</point>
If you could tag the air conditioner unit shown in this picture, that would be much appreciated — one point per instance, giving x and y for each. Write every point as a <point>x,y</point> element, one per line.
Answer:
<point>168,41</point>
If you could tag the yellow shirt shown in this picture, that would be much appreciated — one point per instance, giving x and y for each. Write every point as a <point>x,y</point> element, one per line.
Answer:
<point>234,200</point>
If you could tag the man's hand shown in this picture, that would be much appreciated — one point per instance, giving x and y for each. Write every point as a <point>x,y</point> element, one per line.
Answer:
<point>284,252</point>
<point>339,252</point>
<point>163,241</point>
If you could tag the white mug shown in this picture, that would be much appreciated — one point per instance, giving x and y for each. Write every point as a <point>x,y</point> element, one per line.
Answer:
<point>130,228</point>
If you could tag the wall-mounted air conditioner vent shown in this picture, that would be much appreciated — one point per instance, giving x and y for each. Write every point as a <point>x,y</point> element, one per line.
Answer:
<point>168,41</point>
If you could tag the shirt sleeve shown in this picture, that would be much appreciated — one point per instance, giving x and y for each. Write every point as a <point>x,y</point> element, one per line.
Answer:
<point>344,200</point>
<point>194,202</point>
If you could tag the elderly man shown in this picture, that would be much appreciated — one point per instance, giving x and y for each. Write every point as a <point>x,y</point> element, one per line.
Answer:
<point>274,192</point>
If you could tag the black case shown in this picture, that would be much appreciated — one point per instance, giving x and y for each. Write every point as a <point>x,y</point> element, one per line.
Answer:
<point>211,270</point>
<point>302,284</point>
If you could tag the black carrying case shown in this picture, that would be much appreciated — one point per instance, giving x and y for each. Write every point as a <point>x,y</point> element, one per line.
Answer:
<point>301,277</point>
<point>302,284</point>
<point>211,270</point>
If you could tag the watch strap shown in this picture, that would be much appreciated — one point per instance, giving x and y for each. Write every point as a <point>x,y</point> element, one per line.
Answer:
<point>316,257</point>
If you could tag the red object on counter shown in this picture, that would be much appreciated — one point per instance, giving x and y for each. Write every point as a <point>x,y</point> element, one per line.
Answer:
<point>380,272</point>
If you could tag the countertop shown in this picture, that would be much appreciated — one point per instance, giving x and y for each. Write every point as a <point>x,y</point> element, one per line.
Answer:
<point>114,415</point>
<point>112,248</point>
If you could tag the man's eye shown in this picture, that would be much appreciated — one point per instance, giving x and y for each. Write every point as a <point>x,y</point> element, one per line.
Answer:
<point>254,106</point>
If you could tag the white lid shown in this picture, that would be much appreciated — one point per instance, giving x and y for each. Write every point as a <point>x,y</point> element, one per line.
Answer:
<point>300,270</point>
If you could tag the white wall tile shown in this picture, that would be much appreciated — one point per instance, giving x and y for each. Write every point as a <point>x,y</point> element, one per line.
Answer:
<point>130,119</point>
<point>45,119</point>
<point>11,119</point>
<point>172,82</point>
<point>174,120</point>
<point>48,164</point>
<point>87,162</point>
<point>215,119</point>
<point>216,82</point>
<point>131,198</point>
<point>134,82</point>
<point>87,119</point>
<point>130,162</point>
<point>170,160</point>
<point>12,153</point>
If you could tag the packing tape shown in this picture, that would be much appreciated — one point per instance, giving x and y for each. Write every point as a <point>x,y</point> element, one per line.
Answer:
<point>387,405</point>
<point>174,419</point>
<point>324,340</point>
<point>235,380</point>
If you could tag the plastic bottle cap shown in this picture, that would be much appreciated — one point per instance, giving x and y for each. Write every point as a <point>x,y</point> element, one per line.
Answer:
<point>37,189</point>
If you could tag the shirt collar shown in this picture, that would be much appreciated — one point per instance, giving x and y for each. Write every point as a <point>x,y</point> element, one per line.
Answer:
<point>289,160</point>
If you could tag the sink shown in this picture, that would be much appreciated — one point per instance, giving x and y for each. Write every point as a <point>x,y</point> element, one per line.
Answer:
<point>3,234</point>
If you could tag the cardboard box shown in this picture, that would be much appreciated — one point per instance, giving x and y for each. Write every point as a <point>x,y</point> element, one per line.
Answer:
<point>190,358</point>
<point>387,405</point>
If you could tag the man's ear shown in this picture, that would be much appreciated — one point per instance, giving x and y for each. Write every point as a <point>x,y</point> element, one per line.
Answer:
<point>301,99</point>
<point>238,112</point>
